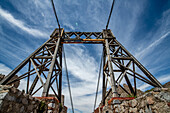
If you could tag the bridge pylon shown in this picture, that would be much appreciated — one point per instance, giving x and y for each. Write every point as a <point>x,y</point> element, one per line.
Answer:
<point>44,65</point>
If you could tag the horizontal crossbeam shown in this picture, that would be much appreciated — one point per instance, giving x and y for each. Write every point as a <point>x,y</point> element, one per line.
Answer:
<point>82,35</point>
<point>83,41</point>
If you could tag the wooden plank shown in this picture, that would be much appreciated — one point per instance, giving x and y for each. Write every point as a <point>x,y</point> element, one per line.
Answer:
<point>37,71</point>
<point>43,57</point>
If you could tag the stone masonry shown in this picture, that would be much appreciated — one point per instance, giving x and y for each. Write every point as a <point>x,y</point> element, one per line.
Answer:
<point>13,100</point>
<point>155,101</point>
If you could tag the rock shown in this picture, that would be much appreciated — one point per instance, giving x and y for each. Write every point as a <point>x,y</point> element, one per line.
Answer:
<point>125,104</point>
<point>165,96</point>
<point>126,87</point>
<point>155,111</point>
<point>19,94</point>
<point>157,89</point>
<point>16,107</point>
<point>117,110</point>
<point>122,108</point>
<point>164,89</point>
<point>1,76</point>
<point>22,109</point>
<point>9,108</point>
<point>155,93</point>
<point>30,97</point>
<point>150,100</point>
<point>125,110</point>
<point>134,103</point>
<point>123,95</point>
<point>148,109</point>
<point>24,101</point>
<point>10,98</point>
<point>1,89</point>
<point>23,92</point>
<point>141,111</point>
<point>13,90</point>
<point>3,94</point>
<point>142,104</point>
<point>139,92</point>
<point>1,103</point>
<point>27,96</point>
<point>33,102</point>
<point>116,102</point>
<point>133,110</point>
<point>166,85</point>
<point>30,107</point>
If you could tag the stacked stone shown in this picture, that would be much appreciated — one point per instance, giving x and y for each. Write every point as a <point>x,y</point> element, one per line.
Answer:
<point>122,93</point>
<point>156,101</point>
<point>13,100</point>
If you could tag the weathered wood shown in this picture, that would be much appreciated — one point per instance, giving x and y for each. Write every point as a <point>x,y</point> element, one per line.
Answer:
<point>112,78</point>
<point>122,58</point>
<point>43,57</point>
<point>46,86</point>
<point>37,71</point>
<point>140,66</point>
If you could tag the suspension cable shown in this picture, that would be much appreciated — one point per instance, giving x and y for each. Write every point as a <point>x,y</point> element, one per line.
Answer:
<point>55,14</point>
<point>98,82</point>
<point>110,14</point>
<point>68,81</point>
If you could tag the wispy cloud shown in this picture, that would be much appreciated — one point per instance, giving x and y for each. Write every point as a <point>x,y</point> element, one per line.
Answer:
<point>84,67</point>
<point>151,47</point>
<point>79,61</point>
<point>20,24</point>
<point>162,79</point>
<point>124,20</point>
<point>4,69</point>
<point>68,27</point>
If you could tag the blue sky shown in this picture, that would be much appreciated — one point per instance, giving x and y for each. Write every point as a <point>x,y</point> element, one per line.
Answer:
<point>143,27</point>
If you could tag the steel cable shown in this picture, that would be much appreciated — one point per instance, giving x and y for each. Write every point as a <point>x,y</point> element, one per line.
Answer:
<point>68,81</point>
<point>110,14</point>
<point>98,82</point>
<point>55,14</point>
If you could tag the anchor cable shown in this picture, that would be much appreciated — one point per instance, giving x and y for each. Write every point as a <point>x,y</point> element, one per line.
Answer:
<point>68,81</point>
<point>98,82</point>
<point>110,14</point>
<point>55,14</point>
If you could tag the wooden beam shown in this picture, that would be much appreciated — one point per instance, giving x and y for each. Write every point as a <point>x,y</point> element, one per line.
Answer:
<point>37,71</point>
<point>43,57</point>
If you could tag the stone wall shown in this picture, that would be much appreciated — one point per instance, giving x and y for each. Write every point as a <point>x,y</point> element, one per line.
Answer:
<point>155,101</point>
<point>122,93</point>
<point>14,101</point>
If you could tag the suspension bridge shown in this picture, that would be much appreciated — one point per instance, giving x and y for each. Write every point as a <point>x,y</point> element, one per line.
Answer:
<point>45,65</point>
